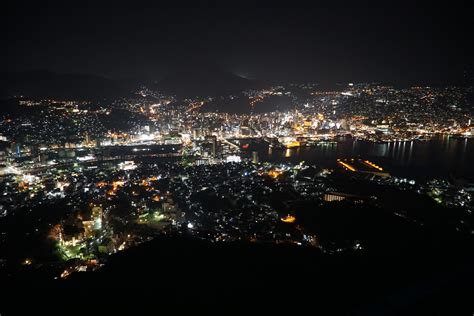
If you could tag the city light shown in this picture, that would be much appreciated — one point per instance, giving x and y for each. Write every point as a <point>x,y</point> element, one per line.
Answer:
<point>346,165</point>
<point>237,157</point>
<point>288,219</point>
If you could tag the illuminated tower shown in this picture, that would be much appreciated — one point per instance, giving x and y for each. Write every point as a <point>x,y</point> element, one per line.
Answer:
<point>86,138</point>
<point>255,157</point>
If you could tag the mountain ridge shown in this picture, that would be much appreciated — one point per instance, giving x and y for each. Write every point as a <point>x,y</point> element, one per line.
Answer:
<point>204,81</point>
<point>49,84</point>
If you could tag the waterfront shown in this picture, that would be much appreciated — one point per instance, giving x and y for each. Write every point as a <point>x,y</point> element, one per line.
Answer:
<point>441,156</point>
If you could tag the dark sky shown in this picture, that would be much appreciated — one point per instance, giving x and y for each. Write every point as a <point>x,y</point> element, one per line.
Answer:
<point>391,42</point>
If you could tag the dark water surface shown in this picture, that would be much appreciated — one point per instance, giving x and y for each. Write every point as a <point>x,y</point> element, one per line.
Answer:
<point>440,156</point>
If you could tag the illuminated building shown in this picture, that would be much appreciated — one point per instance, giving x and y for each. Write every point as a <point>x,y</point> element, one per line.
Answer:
<point>338,196</point>
<point>255,158</point>
<point>127,165</point>
<point>212,141</point>
<point>233,158</point>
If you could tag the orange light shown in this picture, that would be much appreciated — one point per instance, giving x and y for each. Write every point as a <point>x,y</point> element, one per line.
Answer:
<point>288,219</point>
<point>293,144</point>
<point>274,173</point>
<point>118,183</point>
<point>346,166</point>
<point>101,184</point>
<point>371,164</point>
<point>65,274</point>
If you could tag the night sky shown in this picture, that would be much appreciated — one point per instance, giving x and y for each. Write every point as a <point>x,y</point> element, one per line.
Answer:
<point>403,43</point>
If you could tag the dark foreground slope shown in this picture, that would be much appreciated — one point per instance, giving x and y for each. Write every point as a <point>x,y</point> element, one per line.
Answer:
<point>180,274</point>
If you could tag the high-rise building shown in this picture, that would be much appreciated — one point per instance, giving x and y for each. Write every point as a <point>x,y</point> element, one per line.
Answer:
<point>212,141</point>
<point>197,132</point>
<point>16,149</point>
<point>3,153</point>
<point>255,158</point>
<point>86,138</point>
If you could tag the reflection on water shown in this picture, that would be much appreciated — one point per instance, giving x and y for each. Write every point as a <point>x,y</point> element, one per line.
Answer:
<point>440,156</point>
<point>410,152</point>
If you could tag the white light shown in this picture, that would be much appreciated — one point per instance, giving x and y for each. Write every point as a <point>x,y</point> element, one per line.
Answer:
<point>190,226</point>
<point>233,158</point>
<point>146,137</point>
<point>86,158</point>
<point>127,165</point>
<point>28,178</point>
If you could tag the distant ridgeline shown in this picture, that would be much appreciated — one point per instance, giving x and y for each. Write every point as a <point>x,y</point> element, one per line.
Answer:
<point>46,84</point>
